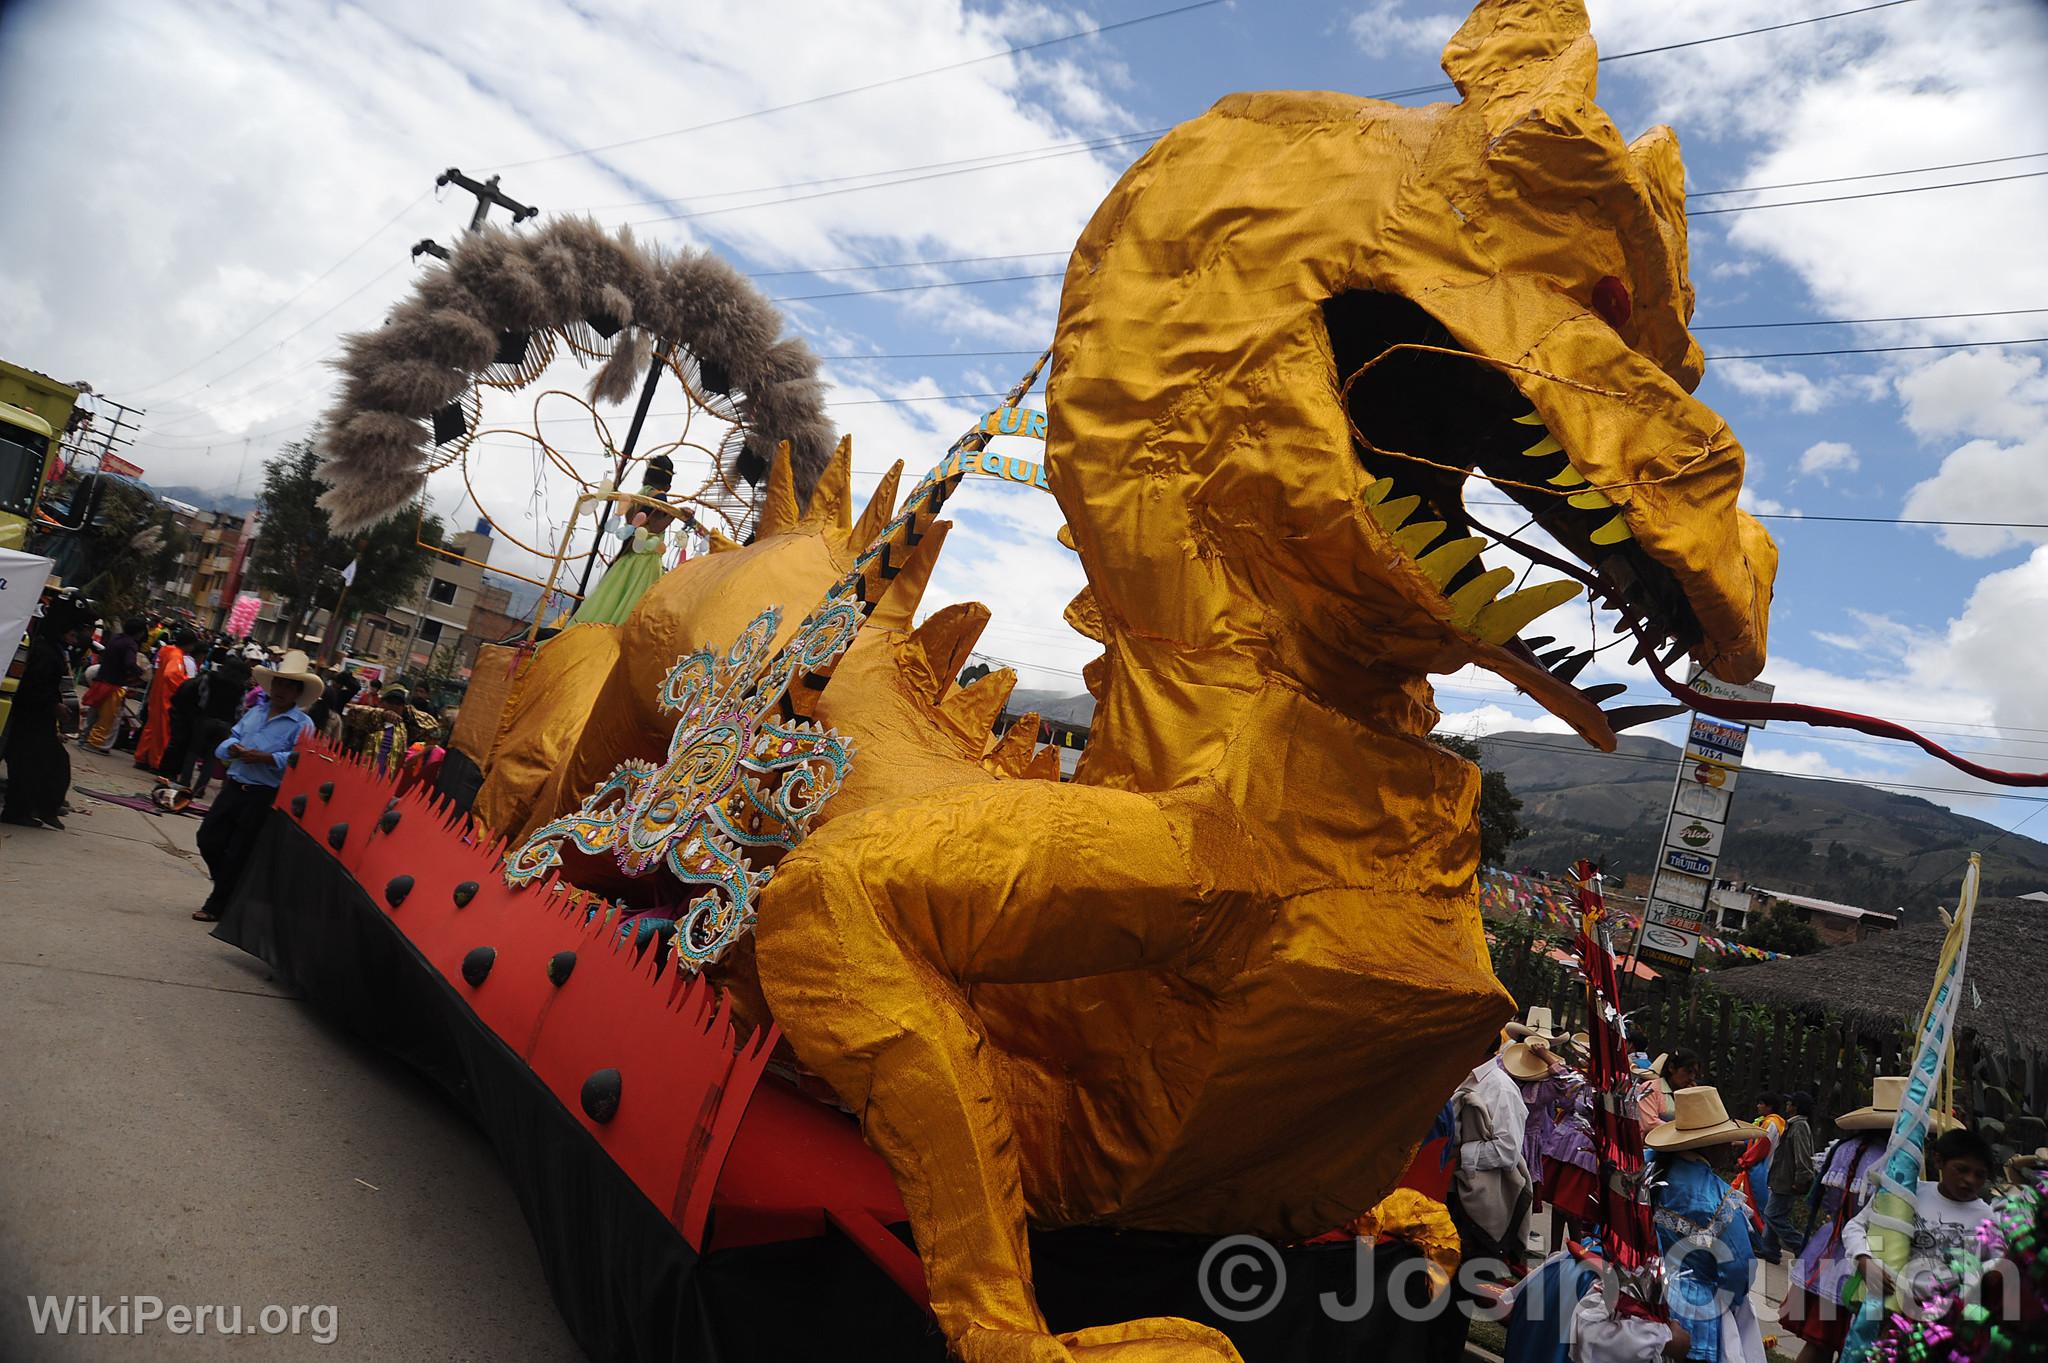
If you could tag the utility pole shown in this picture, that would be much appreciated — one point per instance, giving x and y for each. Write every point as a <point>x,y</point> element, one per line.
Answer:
<point>604,514</point>
<point>120,430</point>
<point>488,196</point>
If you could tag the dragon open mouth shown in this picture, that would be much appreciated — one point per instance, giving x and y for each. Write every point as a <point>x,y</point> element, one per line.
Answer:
<point>1424,422</point>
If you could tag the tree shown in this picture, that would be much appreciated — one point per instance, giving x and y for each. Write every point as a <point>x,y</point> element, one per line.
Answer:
<point>122,545</point>
<point>1500,823</point>
<point>297,557</point>
<point>1777,928</point>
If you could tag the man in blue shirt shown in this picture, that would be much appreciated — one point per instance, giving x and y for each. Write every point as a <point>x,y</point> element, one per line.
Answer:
<point>255,751</point>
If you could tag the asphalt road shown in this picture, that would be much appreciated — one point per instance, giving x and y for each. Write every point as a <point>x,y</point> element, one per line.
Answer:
<point>175,1126</point>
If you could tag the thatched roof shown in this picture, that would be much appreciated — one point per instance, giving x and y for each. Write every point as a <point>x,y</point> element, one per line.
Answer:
<point>1886,978</point>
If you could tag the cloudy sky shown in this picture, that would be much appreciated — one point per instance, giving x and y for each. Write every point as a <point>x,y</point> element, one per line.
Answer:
<point>207,193</point>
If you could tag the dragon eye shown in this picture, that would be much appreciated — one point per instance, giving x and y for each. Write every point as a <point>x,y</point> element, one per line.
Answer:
<point>1611,301</point>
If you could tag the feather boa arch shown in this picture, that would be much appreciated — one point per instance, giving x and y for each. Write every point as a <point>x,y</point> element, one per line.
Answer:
<point>495,313</point>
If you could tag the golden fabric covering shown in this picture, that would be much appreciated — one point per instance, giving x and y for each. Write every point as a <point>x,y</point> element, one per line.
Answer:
<point>1223,981</point>
<point>483,704</point>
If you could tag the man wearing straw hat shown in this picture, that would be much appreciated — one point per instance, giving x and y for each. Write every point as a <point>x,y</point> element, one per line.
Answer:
<point>1703,1226</point>
<point>255,751</point>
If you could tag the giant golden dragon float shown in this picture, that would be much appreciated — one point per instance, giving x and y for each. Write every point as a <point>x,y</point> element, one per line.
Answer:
<point>760,953</point>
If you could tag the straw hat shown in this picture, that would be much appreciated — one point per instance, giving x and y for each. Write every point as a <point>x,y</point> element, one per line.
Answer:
<point>1886,1092</point>
<point>1698,1119</point>
<point>1538,1026</point>
<point>294,666</point>
<point>1525,1061</point>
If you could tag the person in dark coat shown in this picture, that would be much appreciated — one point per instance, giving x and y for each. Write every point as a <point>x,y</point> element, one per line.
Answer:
<point>216,705</point>
<point>38,768</point>
<point>184,711</point>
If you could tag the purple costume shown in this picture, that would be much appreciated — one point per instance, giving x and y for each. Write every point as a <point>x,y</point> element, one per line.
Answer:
<point>1822,1267</point>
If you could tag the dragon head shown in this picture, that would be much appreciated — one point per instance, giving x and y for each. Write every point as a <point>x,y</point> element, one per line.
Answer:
<point>1304,325</point>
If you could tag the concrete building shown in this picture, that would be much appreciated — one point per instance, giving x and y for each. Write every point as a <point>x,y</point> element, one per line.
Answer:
<point>1835,924</point>
<point>491,622</point>
<point>407,637</point>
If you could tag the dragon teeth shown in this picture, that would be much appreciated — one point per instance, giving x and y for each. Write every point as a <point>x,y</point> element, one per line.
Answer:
<point>1530,418</point>
<point>1442,563</point>
<point>1415,538</point>
<point>1470,599</point>
<point>1547,445</point>
<point>1390,515</point>
<point>1377,491</point>
<point>1504,619</point>
<point>1613,531</point>
<point>1590,500</point>
<point>1567,477</point>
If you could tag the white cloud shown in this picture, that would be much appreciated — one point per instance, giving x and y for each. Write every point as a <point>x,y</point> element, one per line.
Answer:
<point>2002,474</point>
<point>206,204</point>
<point>1986,481</point>
<point>1915,85</point>
<point>1385,27</point>
<point>1976,392</point>
<point>1795,390</point>
<point>1828,456</point>
<point>1756,504</point>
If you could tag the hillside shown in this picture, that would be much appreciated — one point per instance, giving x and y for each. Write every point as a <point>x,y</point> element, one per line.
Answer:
<point>1835,839</point>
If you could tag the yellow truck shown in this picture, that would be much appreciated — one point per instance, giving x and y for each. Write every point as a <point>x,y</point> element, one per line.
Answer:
<point>35,413</point>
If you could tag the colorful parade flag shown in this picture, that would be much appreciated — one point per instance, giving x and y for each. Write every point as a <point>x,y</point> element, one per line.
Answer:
<point>1898,1178</point>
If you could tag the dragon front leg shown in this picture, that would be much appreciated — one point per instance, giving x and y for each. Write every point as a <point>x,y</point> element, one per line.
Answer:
<point>870,937</point>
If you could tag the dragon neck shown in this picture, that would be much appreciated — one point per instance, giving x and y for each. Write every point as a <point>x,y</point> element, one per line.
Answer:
<point>1170,718</point>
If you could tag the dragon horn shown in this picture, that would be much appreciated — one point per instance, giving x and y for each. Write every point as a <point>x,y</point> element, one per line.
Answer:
<point>831,499</point>
<point>879,511</point>
<point>779,513</point>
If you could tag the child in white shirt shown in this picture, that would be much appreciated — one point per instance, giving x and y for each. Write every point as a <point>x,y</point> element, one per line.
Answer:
<point>1947,1209</point>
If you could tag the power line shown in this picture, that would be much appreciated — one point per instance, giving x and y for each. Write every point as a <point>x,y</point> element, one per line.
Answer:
<point>914,288</point>
<point>1846,520</point>
<point>1868,194</point>
<point>1787,775</point>
<point>339,303</point>
<point>351,255</point>
<point>811,100</point>
<point>1876,349</point>
<point>1674,47</point>
<point>1869,321</point>
<point>1867,175</point>
<point>1010,157</point>
<point>886,184</point>
<point>907,264</point>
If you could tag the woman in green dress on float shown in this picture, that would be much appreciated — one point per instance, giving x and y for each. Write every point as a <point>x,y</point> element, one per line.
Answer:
<point>638,565</point>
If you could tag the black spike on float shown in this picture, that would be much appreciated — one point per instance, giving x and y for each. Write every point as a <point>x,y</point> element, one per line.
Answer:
<point>465,892</point>
<point>337,835</point>
<point>292,761</point>
<point>1537,641</point>
<point>388,820</point>
<point>476,966</point>
<point>1630,716</point>
<point>326,791</point>
<point>396,889</point>
<point>601,1096</point>
<point>560,965</point>
<point>1571,667</point>
<point>1604,691</point>
<point>299,806</point>
<point>1555,656</point>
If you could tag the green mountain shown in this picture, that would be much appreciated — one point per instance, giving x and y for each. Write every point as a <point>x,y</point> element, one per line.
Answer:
<point>1838,840</point>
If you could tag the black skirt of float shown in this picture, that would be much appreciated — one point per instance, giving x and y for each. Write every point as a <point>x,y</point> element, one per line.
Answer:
<point>628,1285</point>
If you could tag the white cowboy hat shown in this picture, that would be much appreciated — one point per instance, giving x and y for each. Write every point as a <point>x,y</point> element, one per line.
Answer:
<point>1698,1119</point>
<point>1524,1061</point>
<point>294,666</point>
<point>1886,1092</point>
